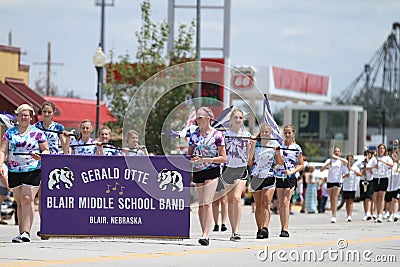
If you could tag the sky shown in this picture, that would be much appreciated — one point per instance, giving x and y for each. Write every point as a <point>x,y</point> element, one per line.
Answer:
<point>327,37</point>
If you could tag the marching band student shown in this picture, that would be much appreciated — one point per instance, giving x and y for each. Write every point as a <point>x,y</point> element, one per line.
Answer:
<point>263,158</point>
<point>234,174</point>
<point>392,193</point>
<point>366,187</point>
<point>50,129</point>
<point>55,133</point>
<point>207,151</point>
<point>380,166</point>
<point>334,165</point>
<point>105,148</point>
<point>286,174</point>
<point>24,171</point>
<point>133,148</point>
<point>349,185</point>
<point>84,144</point>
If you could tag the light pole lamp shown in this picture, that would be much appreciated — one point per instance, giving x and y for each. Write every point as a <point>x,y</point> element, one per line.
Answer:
<point>99,60</point>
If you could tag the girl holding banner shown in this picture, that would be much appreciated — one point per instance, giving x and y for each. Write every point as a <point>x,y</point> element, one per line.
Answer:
<point>207,152</point>
<point>286,175</point>
<point>84,145</point>
<point>55,133</point>
<point>23,170</point>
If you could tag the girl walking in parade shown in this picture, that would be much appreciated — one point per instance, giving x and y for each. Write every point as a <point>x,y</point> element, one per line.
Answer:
<point>207,152</point>
<point>263,157</point>
<point>84,144</point>
<point>350,185</point>
<point>234,176</point>
<point>56,135</point>
<point>381,167</point>
<point>24,171</point>
<point>286,176</point>
<point>334,180</point>
<point>393,190</point>
<point>133,148</point>
<point>366,187</point>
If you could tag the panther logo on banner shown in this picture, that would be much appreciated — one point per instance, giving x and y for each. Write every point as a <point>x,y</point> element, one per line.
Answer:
<point>60,176</point>
<point>173,178</point>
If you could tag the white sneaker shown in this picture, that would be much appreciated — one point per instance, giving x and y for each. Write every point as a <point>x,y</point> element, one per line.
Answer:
<point>17,239</point>
<point>391,218</point>
<point>396,217</point>
<point>379,219</point>
<point>385,215</point>
<point>348,219</point>
<point>333,220</point>
<point>25,237</point>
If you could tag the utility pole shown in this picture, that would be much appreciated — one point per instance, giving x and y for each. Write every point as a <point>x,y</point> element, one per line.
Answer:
<point>49,64</point>
<point>102,4</point>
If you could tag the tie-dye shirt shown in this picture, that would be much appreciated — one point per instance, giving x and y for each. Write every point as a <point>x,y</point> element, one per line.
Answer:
<point>52,138</point>
<point>27,143</point>
<point>236,148</point>
<point>264,160</point>
<point>290,158</point>
<point>109,150</point>
<point>83,150</point>
<point>206,147</point>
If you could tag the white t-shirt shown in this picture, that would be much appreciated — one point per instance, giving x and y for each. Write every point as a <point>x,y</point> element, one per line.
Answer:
<point>335,170</point>
<point>394,179</point>
<point>383,170</point>
<point>349,182</point>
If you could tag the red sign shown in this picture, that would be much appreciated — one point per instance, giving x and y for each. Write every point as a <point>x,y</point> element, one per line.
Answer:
<point>242,78</point>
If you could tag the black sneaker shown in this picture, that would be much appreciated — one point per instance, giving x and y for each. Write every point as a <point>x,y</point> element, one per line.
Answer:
<point>259,234</point>
<point>42,236</point>
<point>223,228</point>
<point>265,232</point>
<point>284,233</point>
<point>204,241</point>
<point>216,228</point>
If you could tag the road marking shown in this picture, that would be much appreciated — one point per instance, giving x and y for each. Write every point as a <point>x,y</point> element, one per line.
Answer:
<point>186,252</point>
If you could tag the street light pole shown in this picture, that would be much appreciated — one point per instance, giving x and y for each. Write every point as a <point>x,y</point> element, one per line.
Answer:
<point>99,60</point>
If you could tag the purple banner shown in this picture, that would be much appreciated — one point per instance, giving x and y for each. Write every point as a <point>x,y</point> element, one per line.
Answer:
<point>115,196</point>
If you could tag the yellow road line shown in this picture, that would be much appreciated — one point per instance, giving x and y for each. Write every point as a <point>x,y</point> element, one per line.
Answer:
<point>186,252</point>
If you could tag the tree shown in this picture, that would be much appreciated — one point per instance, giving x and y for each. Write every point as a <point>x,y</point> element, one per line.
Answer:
<point>137,103</point>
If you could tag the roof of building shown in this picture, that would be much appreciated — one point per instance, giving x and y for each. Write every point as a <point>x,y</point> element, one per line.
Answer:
<point>71,111</point>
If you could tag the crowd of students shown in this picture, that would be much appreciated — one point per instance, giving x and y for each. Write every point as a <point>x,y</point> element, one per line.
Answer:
<point>379,185</point>
<point>231,156</point>
<point>23,144</point>
<point>222,161</point>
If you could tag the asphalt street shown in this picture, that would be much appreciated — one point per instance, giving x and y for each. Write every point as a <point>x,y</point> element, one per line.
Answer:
<point>313,241</point>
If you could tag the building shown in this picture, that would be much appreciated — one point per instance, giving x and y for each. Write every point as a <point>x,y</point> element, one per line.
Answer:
<point>14,91</point>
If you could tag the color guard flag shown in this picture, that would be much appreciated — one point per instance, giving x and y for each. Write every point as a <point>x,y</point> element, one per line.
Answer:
<point>267,118</point>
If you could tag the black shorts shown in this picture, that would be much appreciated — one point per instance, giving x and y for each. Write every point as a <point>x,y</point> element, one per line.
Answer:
<point>366,194</point>
<point>380,184</point>
<point>257,184</point>
<point>229,175</point>
<point>331,185</point>
<point>220,186</point>
<point>200,176</point>
<point>389,196</point>
<point>31,178</point>
<point>286,183</point>
<point>349,195</point>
